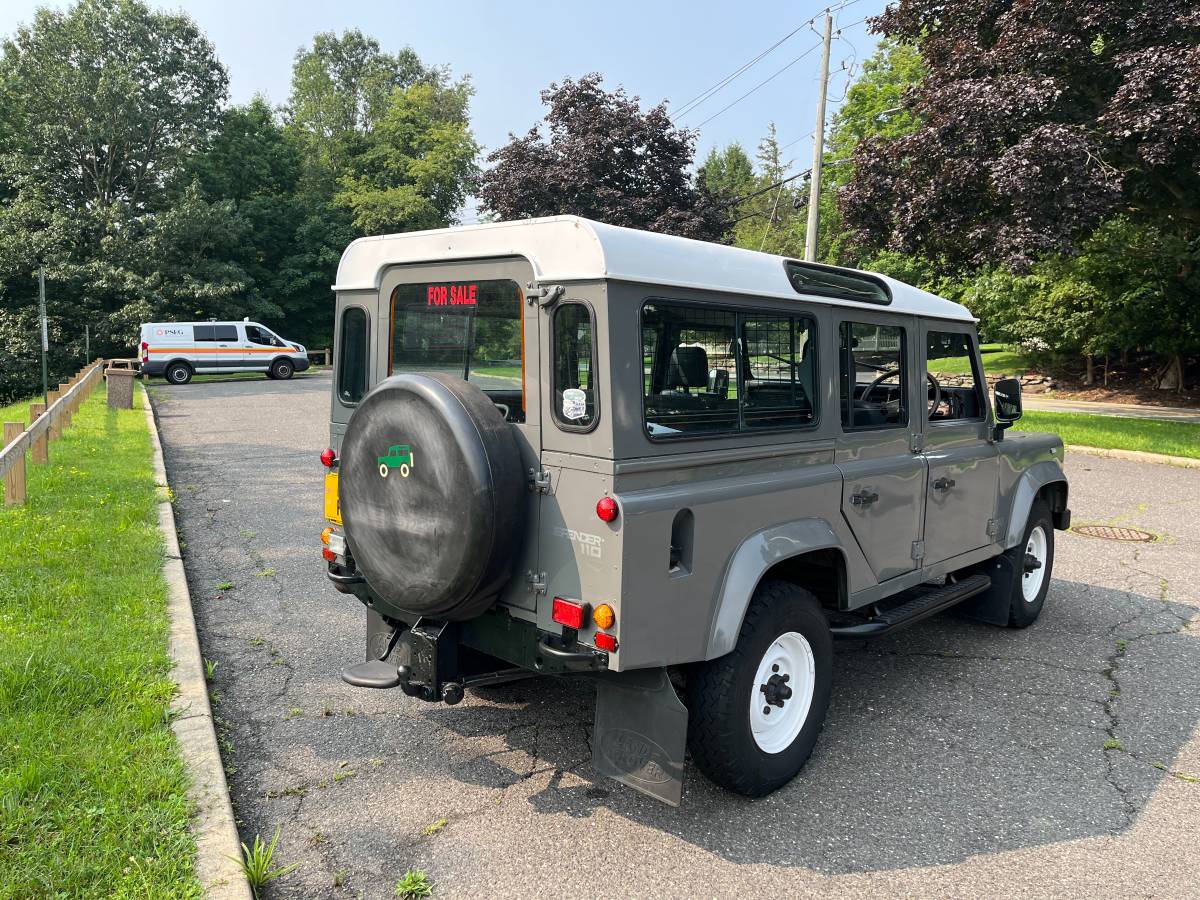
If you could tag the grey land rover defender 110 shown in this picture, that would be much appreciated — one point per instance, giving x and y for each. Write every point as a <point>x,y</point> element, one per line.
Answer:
<point>678,469</point>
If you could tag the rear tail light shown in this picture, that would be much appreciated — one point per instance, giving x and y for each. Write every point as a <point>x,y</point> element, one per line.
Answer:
<point>328,457</point>
<point>606,642</point>
<point>567,613</point>
<point>607,509</point>
<point>145,346</point>
<point>328,554</point>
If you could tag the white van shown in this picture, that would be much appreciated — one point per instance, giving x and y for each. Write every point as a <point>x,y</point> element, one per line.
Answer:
<point>179,350</point>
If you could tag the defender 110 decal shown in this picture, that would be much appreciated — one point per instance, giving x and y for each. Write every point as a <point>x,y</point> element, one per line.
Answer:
<point>399,456</point>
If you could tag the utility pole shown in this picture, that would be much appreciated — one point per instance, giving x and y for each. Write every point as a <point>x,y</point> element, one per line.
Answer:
<point>45,335</point>
<point>87,344</point>
<point>814,183</point>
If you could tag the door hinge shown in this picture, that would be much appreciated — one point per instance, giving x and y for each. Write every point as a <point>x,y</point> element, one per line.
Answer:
<point>993,527</point>
<point>545,296</point>
<point>539,480</point>
<point>537,582</point>
<point>918,550</point>
<point>916,442</point>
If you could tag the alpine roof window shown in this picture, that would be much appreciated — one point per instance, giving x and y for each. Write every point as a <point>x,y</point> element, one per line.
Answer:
<point>843,284</point>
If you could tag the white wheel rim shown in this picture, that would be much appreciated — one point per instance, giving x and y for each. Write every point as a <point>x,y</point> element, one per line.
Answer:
<point>776,726</point>
<point>383,470</point>
<point>1031,582</point>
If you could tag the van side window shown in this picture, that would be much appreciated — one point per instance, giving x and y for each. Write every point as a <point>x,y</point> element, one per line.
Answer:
<point>258,335</point>
<point>352,356</point>
<point>574,373</point>
<point>950,358</point>
<point>225,333</point>
<point>203,333</point>
<point>873,376</point>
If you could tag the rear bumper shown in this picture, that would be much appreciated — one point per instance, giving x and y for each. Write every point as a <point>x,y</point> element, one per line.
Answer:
<point>154,367</point>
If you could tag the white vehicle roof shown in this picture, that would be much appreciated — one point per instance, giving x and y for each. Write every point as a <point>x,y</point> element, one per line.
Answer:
<point>569,248</point>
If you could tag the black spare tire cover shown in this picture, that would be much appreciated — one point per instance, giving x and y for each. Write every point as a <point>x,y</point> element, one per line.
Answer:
<point>432,492</point>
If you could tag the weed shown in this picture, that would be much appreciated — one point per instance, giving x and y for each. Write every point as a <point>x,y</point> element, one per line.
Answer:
<point>210,668</point>
<point>257,862</point>
<point>1121,645</point>
<point>247,533</point>
<point>435,827</point>
<point>414,885</point>
<point>339,878</point>
<point>1113,744</point>
<point>265,573</point>
<point>318,837</point>
<point>256,642</point>
<point>225,586</point>
<point>292,713</point>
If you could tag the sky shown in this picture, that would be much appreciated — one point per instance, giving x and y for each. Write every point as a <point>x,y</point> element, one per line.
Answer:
<point>512,50</point>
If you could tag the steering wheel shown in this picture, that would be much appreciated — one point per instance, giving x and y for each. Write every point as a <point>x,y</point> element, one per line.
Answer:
<point>937,388</point>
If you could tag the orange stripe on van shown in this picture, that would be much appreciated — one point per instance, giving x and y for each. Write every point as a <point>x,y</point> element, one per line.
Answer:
<point>220,350</point>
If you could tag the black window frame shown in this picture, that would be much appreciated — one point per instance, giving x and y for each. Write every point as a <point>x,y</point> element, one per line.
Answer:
<point>342,354</point>
<point>976,368</point>
<point>740,313</point>
<point>847,356</point>
<point>564,425</point>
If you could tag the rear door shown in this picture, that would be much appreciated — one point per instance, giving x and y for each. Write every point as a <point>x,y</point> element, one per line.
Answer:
<point>963,464</point>
<point>202,351</point>
<point>883,489</point>
<point>227,347</point>
<point>470,320</point>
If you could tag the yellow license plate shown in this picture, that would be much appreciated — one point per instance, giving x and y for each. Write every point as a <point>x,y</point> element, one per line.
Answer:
<point>333,509</point>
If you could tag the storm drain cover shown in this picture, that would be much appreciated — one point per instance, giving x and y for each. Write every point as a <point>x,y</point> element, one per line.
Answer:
<point>1114,533</point>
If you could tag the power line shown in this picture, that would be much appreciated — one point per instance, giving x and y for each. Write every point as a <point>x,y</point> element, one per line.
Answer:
<point>762,83</point>
<point>705,95</point>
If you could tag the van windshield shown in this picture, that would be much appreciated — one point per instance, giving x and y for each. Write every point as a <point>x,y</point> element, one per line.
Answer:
<point>468,329</point>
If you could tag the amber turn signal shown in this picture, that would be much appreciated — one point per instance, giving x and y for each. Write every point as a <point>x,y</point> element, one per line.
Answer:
<point>325,535</point>
<point>603,616</point>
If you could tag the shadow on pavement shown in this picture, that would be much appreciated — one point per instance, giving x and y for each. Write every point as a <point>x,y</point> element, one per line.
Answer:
<point>946,741</point>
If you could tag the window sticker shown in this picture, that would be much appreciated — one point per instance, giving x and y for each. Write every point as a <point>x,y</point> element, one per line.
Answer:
<point>574,404</point>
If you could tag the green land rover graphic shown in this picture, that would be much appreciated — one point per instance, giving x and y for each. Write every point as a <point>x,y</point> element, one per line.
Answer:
<point>399,456</point>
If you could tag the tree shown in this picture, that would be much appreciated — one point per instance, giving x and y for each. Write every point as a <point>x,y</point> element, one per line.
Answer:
<point>727,174</point>
<point>415,172</point>
<point>1041,127</point>
<point>102,102</point>
<point>605,159</point>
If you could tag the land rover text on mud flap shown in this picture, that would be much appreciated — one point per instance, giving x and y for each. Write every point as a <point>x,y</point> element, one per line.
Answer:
<point>681,470</point>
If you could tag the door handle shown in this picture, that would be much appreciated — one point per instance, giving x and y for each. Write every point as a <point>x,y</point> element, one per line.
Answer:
<point>943,484</point>
<point>863,498</point>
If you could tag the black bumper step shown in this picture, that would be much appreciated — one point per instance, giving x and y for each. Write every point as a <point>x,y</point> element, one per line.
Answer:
<point>374,673</point>
<point>924,604</point>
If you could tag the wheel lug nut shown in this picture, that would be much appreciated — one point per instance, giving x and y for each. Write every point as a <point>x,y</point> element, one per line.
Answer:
<point>774,668</point>
<point>766,710</point>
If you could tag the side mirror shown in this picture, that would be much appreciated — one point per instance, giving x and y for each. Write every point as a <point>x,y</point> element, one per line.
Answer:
<point>1007,393</point>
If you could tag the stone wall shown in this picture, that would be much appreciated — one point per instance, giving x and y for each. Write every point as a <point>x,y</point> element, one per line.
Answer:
<point>1031,382</point>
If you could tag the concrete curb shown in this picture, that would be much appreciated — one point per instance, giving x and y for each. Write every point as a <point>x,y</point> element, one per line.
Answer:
<point>217,847</point>
<point>1182,462</point>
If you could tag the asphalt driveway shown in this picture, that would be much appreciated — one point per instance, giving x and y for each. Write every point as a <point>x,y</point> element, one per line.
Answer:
<point>958,759</point>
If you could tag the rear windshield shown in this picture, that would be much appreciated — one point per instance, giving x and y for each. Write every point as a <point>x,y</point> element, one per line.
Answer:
<point>469,329</point>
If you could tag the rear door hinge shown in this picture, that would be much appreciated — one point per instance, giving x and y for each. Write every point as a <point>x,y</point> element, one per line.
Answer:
<point>916,442</point>
<point>537,582</point>
<point>539,480</point>
<point>918,550</point>
<point>545,296</point>
<point>993,527</point>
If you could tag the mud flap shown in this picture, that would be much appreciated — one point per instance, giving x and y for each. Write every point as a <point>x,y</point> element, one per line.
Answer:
<point>641,732</point>
<point>993,605</point>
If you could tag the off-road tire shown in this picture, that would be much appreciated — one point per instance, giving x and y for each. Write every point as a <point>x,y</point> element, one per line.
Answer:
<point>282,369</point>
<point>719,692</point>
<point>178,373</point>
<point>1023,613</point>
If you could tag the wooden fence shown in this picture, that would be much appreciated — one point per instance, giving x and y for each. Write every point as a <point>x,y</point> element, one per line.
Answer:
<point>45,425</point>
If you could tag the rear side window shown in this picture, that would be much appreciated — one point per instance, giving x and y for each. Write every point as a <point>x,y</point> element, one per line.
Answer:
<point>708,370</point>
<point>225,333</point>
<point>204,333</point>
<point>352,356</point>
<point>574,378</point>
<point>874,376</point>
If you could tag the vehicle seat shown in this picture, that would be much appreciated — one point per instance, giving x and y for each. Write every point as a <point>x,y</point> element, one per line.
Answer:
<point>687,369</point>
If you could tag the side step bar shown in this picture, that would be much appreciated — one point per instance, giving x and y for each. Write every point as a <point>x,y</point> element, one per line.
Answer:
<point>925,604</point>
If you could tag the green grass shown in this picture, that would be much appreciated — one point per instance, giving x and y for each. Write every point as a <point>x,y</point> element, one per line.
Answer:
<point>92,790</point>
<point>1117,433</point>
<point>19,411</point>
<point>998,359</point>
